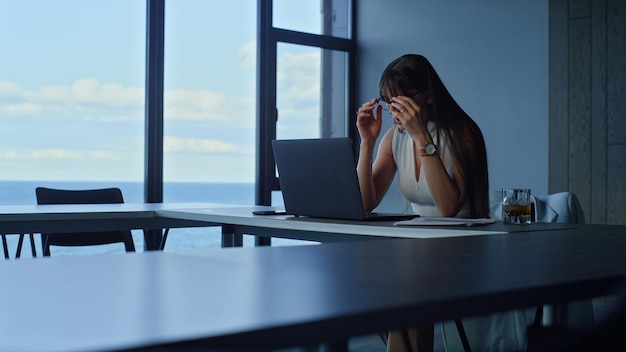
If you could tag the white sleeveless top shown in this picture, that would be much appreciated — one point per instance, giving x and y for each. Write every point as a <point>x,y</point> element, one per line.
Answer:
<point>417,191</point>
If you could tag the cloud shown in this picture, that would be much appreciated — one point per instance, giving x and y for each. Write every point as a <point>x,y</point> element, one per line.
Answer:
<point>9,90</point>
<point>210,106</point>
<point>298,77</point>
<point>247,54</point>
<point>87,99</point>
<point>22,109</point>
<point>196,145</point>
<point>90,92</point>
<point>8,155</point>
<point>298,84</point>
<point>61,154</point>
<point>83,99</point>
<point>57,154</point>
<point>195,105</point>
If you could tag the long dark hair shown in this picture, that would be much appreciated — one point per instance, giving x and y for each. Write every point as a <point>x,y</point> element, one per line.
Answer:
<point>413,73</point>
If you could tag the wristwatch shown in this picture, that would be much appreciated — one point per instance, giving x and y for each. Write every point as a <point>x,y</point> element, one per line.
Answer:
<point>428,150</point>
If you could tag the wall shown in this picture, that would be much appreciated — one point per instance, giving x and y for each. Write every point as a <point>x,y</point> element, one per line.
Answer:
<point>492,56</point>
<point>588,105</point>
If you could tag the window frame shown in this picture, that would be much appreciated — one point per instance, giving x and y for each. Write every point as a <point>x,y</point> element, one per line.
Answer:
<point>268,38</point>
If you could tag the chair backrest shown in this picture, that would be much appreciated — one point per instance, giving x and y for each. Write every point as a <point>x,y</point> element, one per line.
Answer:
<point>562,207</point>
<point>91,196</point>
<point>495,204</point>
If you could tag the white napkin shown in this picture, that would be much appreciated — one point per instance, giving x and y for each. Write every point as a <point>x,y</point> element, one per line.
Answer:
<point>441,221</point>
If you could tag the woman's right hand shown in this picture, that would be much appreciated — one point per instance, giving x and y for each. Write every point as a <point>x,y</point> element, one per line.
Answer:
<point>369,126</point>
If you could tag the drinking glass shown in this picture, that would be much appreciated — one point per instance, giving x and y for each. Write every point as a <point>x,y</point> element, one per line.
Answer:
<point>516,206</point>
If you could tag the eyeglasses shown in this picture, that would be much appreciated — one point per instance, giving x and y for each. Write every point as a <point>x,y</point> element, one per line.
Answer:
<point>383,104</point>
<point>386,105</point>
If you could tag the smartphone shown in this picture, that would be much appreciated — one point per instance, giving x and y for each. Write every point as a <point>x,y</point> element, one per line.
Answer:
<point>269,212</point>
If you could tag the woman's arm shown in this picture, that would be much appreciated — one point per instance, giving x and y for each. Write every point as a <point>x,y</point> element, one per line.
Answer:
<point>448,193</point>
<point>375,176</point>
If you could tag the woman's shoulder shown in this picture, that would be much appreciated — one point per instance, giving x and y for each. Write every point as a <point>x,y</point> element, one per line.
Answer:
<point>391,140</point>
<point>389,135</point>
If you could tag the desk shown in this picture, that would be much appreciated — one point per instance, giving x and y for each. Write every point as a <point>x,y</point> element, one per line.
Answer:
<point>277,297</point>
<point>239,220</point>
<point>16,219</point>
<point>28,219</point>
<point>235,221</point>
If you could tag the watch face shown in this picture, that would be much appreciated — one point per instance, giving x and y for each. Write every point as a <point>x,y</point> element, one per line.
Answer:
<point>430,149</point>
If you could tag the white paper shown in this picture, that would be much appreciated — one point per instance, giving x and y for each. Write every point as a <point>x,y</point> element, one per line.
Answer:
<point>441,221</point>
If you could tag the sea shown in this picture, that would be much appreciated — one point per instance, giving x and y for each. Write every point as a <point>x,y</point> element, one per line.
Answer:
<point>183,239</point>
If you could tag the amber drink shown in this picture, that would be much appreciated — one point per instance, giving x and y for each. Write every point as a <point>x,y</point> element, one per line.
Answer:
<point>516,205</point>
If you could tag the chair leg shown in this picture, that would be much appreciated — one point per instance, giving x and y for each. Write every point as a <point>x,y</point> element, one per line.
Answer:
<point>163,239</point>
<point>5,246</point>
<point>462,335</point>
<point>33,250</point>
<point>20,242</point>
<point>538,316</point>
<point>45,247</point>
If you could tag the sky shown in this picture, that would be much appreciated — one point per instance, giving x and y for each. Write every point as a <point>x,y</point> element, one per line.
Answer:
<point>72,88</point>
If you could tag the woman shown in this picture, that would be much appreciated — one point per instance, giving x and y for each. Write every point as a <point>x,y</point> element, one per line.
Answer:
<point>437,149</point>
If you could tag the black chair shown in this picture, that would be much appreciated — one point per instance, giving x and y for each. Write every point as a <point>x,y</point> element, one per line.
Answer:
<point>92,196</point>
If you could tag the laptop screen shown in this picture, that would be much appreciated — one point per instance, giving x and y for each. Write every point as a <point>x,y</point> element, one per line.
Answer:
<point>318,177</point>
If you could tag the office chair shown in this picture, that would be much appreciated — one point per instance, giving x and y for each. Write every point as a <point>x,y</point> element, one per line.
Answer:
<point>507,331</point>
<point>93,196</point>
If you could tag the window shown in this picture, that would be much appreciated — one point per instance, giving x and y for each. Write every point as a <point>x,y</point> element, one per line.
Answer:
<point>305,80</point>
<point>72,76</point>
<point>311,92</point>
<point>72,90</point>
<point>209,98</point>
<point>208,109</point>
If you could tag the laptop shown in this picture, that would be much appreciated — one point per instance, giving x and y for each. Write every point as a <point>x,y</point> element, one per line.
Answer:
<point>318,179</point>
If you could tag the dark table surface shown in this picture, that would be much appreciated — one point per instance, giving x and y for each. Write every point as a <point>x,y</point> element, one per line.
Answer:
<point>300,295</point>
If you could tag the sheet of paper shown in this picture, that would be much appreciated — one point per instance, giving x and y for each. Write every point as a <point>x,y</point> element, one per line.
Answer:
<point>441,221</point>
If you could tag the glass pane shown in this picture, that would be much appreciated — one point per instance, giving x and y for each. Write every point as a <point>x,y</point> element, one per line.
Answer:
<point>311,95</point>
<point>71,94</point>
<point>311,92</point>
<point>328,17</point>
<point>71,100</point>
<point>209,102</point>
<point>209,109</point>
